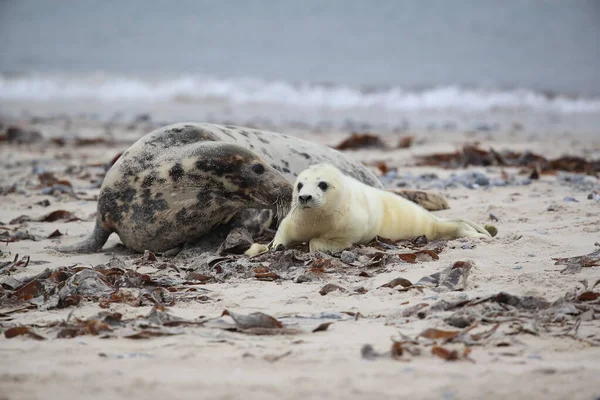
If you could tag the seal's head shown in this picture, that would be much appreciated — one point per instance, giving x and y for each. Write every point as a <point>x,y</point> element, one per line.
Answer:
<point>317,187</point>
<point>236,173</point>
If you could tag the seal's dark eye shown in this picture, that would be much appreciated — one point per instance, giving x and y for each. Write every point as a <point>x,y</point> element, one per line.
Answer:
<point>323,186</point>
<point>300,185</point>
<point>258,168</point>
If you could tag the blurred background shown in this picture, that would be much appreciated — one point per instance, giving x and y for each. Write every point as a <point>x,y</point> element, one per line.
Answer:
<point>304,60</point>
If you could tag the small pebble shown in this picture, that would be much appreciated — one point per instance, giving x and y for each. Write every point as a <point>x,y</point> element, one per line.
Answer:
<point>570,200</point>
<point>348,257</point>
<point>594,196</point>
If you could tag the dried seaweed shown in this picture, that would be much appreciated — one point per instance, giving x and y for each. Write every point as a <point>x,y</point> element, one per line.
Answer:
<point>54,234</point>
<point>9,266</point>
<point>397,281</point>
<point>58,215</point>
<point>432,333</point>
<point>453,278</point>
<point>361,141</point>
<point>471,154</point>
<point>405,142</point>
<point>237,242</point>
<point>576,264</point>
<point>20,331</point>
<point>17,234</point>
<point>330,287</point>
<point>48,179</point>
<point>322,327</point>
<point>18,135</point>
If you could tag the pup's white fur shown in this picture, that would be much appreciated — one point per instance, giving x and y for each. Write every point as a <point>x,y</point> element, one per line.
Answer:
<point>349,212</point>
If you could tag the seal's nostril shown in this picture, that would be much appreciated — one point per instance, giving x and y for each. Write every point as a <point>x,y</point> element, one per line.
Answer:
<point>304,198</point>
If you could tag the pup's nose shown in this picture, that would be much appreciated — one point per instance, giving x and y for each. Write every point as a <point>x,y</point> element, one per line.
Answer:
<point>305,198</point>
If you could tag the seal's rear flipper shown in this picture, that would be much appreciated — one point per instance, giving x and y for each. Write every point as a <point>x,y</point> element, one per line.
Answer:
<point>457,228</point>
<point>91,244</point>
<point>431,201</point>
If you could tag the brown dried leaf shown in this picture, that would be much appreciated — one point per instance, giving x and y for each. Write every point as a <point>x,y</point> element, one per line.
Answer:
<point>445,353</point>
<point>408,257</point>
<point>54,234</point>
<point>254,320</point>
<point>405,142</point>
<point>419,241</point>
<point>121,296</point>
<point>382,243</point>
<point>89,141</point>
<point>588,296</point>
<point>323,327</point>
<point>22,330</point>
<point>29,291</point>
<point>60,215</point>
<point>472,155</point>
<point>457,278</point>
<point>93,327</point>
<point>274,358</point>
<point>361,141</point>
<point>382,167</point>
<point>397,350</point>
<point>321,265</point>
<point>575,264</point>
<point>432,333</point>
<point>148,256</point>
<point>50,217</point>
<point>377,261</point>
<point>330,287</point>
<point>15,263</point>
<point>196,276</point>
<point>20,135</point>
<point>147,334</point>
<point>48,179</point>
<point>267,276</point>
<point>398,281</point>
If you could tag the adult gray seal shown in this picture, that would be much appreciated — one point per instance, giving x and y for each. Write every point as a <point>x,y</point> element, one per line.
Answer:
<point>181,181</point>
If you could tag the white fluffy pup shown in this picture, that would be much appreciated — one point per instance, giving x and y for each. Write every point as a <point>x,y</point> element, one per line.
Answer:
<point>333,211</point>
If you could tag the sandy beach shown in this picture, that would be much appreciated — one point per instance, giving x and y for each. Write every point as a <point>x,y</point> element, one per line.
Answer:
<point>514,323</point>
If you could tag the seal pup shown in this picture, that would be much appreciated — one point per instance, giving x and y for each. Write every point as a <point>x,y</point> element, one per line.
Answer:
<point>332,211</point>
<point>181,181</point>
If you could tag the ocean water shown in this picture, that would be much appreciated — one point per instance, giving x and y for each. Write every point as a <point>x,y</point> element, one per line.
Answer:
<point>342,55</point>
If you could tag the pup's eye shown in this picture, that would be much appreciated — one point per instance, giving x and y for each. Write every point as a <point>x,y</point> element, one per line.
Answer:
<point>258,169</point>
<point>300,185</point>
<point>323,186</point>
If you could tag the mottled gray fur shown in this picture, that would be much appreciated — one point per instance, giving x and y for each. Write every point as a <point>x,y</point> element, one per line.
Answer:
<point>181,181</point>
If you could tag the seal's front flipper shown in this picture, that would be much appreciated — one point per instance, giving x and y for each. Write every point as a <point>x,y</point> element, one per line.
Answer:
<point>173,252</point>
<point>91,244</point>
<point>256,249</point>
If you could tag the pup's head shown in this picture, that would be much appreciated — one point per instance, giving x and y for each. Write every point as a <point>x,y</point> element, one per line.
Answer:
<point>317,186</point>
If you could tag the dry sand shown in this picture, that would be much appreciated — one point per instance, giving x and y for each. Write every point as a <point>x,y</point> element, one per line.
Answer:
<point>208,362</point>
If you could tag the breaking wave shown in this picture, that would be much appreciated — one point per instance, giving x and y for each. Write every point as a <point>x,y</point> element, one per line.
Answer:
<point>248,91</point>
